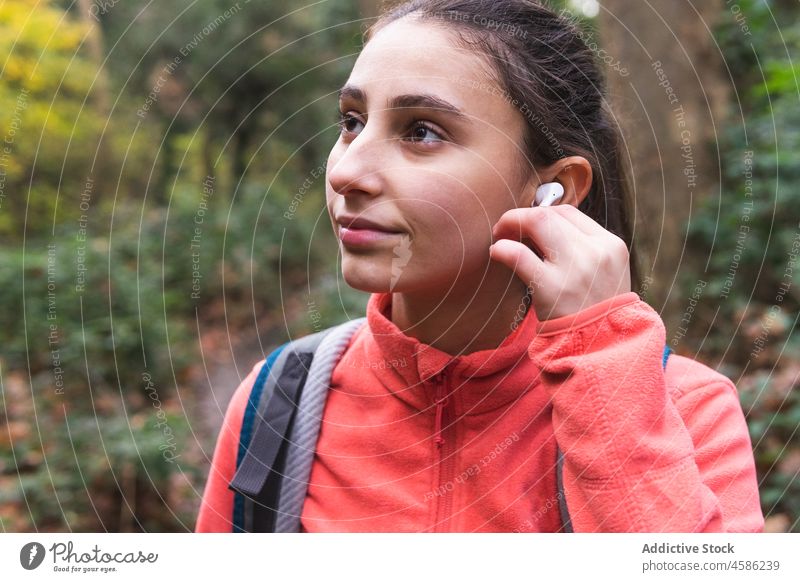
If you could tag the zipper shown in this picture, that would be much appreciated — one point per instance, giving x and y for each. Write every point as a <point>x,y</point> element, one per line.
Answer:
<point>441,402</point>
<point>444,439</point>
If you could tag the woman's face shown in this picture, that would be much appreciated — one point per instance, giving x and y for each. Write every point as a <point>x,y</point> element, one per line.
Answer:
<point>437,179</point>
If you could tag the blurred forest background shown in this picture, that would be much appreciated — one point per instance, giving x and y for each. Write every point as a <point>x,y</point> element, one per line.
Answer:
<point>163,225</point>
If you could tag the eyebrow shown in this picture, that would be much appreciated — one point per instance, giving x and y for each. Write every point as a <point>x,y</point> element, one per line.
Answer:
<point>421,101</point>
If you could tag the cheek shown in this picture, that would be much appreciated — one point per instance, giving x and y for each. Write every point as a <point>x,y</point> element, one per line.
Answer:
<point>493,176</point>
<point>453,228</point>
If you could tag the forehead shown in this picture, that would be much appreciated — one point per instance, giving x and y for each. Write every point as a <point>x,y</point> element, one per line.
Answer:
<point>415,56</point>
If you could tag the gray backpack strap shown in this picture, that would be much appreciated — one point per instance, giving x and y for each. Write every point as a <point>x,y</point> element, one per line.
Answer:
<point>566,521</point>
<point>307,423</point>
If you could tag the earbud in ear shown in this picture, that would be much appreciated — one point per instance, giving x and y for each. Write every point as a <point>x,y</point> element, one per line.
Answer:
<point>548,194</point>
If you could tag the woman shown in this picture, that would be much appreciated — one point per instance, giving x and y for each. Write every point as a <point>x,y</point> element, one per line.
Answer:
<point>509,330</point>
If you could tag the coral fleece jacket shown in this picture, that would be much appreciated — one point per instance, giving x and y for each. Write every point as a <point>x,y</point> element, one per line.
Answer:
<point>414,439</point>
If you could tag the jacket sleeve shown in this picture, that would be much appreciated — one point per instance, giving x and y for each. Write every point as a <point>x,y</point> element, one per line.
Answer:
<point>216,507</point>
<point>644,450</point>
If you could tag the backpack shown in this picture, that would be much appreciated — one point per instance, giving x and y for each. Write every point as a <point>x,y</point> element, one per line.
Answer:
<point>277,445</point>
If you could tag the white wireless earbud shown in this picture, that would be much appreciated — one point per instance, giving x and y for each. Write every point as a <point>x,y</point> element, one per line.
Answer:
<point>548,194</point>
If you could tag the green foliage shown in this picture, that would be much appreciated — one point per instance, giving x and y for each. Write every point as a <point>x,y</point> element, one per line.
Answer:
<point>98,470</point>
<point>240,71</point>
<point>99,308</point>
<point>750,236</point>
<point>47,129</point>
<point>773,407</point>
<point>120,248</point>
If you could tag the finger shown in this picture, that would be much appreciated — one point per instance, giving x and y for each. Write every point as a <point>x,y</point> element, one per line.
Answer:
<point>519,258</point>
<point>551,233</point>
<point>580,220</point>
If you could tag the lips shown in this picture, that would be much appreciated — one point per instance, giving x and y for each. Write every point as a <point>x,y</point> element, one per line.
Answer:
<point>359,232</point>
<point>360,223</point>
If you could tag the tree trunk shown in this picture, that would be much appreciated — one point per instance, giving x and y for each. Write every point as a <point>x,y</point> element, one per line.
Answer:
<point>101,172</point>
<point>672,106</point>
<point>241,145</point>
<point>94,43</point>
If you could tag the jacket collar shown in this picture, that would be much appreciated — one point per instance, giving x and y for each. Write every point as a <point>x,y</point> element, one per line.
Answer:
<point>416,363</point>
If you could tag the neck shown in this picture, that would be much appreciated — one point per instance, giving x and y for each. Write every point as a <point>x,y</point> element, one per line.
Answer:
<point>468,317</point>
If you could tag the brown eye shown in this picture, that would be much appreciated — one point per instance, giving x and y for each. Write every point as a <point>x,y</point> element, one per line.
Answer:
<point>345,122</point>
<point>419,129</point>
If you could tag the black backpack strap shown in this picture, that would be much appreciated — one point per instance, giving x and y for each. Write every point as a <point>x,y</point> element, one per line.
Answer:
<point>566,521</point>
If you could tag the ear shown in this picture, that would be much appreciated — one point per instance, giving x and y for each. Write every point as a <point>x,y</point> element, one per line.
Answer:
<point>573,172</point>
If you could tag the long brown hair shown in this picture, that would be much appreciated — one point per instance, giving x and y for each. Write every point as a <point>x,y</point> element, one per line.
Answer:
<point>544,64</point>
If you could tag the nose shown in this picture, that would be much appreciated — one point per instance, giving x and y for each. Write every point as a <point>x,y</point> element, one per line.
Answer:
<point>356,166</point>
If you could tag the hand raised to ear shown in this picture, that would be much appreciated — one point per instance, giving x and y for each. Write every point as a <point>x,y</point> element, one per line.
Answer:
<point>579,263</point>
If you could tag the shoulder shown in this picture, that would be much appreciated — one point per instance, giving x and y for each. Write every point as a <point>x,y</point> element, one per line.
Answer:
<point>704,397</point>
<point>308,342</point>
<point>709,406</point>
<point>685,376</point>
<point>242,393</point>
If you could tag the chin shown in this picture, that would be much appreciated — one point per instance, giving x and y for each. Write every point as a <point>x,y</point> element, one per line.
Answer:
<point>363,275</point>
<point>371,278</point>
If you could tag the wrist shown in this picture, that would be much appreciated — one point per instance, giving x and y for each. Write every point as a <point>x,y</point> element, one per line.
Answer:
<point>585,316</point>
